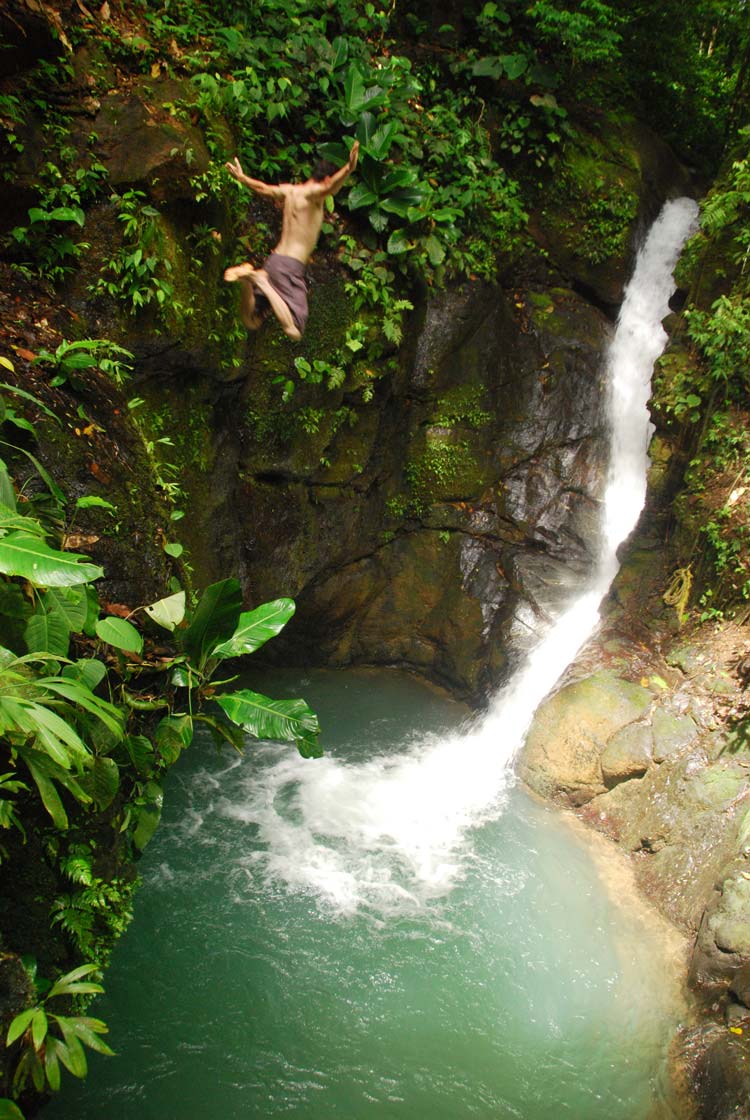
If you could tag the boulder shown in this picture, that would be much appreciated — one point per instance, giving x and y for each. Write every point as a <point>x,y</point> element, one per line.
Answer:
<point>570,731</point>
<point>723,1077</point>
<point>670,733</point>
<point>628,754</point>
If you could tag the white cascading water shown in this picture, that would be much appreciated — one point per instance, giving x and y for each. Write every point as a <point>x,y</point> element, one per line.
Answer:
<point>392,833</point>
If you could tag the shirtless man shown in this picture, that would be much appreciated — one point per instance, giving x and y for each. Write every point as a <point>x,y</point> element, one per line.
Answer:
<point>280,283</point>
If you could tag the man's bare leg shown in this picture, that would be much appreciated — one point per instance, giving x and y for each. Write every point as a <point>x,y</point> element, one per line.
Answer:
<point>248,314</point>
<point>260,279</point>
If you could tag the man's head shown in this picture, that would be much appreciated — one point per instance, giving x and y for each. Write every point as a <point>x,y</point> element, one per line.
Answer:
<point>322,169</point>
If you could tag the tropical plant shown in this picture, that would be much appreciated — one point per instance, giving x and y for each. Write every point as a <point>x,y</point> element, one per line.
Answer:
<point>87,353</point>
<point>137,274</point>
<point>46,1039</point>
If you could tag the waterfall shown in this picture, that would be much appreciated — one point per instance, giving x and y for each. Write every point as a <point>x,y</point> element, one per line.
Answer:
<point>390,834</point>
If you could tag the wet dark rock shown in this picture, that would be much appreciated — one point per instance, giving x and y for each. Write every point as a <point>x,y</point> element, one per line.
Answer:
<point>723,1078</point>
<point>739,985</point>
<point>737,1015</point>
<point>16,989</point>
<point>723,942</point>
<point>628,754</point>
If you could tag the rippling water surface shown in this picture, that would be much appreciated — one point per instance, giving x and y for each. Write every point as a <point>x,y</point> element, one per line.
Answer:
<point>279,965</point>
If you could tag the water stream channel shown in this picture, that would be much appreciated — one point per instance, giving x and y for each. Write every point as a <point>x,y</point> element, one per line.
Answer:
<point>397,930</point>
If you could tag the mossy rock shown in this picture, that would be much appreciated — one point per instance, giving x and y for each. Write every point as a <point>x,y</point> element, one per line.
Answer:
<point>719,785</point>
<point>628,754</point>
<point>586,219</point>
<point>448,468</point>
<point>670,733</point>
<point>571,730</point>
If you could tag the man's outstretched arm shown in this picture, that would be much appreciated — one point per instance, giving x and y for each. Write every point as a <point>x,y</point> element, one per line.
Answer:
<point>333,183</point>
<point>269,190</point>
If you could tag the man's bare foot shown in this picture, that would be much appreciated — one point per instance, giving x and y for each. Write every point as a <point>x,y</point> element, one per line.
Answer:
<point>239,272</point>
<point>260,280</point>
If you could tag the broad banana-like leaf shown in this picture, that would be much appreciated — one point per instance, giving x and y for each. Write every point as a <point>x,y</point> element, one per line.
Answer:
<point>214,621</point>
<point>29,557</point>
<point>285,720</point>
<point>47,632</point>
<point>70,603</point>
<point>256,627</point>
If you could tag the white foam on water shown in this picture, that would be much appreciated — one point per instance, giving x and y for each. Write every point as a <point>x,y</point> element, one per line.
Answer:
<point>390,834</point>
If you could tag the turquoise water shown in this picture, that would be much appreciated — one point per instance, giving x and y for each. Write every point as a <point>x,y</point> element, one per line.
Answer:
<point>275,968</point>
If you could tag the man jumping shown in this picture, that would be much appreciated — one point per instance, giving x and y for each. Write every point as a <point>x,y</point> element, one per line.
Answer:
<point>280,283</point>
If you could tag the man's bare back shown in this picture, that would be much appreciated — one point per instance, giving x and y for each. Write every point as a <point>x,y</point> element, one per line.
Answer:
<point>303,209</point>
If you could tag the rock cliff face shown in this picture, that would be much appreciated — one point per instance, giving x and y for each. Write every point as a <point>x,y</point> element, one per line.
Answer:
<point>437,525</point>
<point>434,526</point>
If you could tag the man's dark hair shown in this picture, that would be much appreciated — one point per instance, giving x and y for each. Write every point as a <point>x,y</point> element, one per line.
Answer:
<point>322,169</point>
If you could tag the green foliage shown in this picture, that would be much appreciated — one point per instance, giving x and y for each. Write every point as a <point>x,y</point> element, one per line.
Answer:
<point>461,406</point>
<point>723,337</point>
<point>46,245</point>
<point>137,275</point>
<point>706,387</point>
<point>446,470</point>
<point>45,1040</point>
<point>587,31</point>
<point>88,353</point>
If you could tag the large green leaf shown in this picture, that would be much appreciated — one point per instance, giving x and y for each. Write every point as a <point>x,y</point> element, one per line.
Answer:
<point>172,735</point>
<point>53,734</point>
<point>20,1024</point>
<point>75,1059</point>
<point>487,67</point>
<point>256,627</point>
<point>120,633</point>
<point>70,603</point>
<point>214,621</point>
<point>70,984</point>
<point>361,195</point>
<point>52,1054</point>
<point>39,1027</point>
<point>88,671</point>
<point>88,1030</point>
<point>29,557</point>
<point>9,1110</point>
<point>223,732</point>
<point>168,612</point>
<point>7,493</point>
<point>285,720</point>
<point>514,65</point>
<point>141,753</point>
<point>78,694</point>
<point>149,815</point>
<point>102,781</point>
<point>47,632</point>
<point>49,795</point>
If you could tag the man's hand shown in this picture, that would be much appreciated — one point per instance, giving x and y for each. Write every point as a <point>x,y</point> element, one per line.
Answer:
<point>235,170</point>
<point>354,155</point>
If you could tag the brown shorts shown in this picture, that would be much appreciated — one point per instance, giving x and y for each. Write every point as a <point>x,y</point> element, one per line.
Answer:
<point>287,275</point>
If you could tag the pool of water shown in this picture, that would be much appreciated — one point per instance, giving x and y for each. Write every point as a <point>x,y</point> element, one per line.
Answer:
<point>290,957</point>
